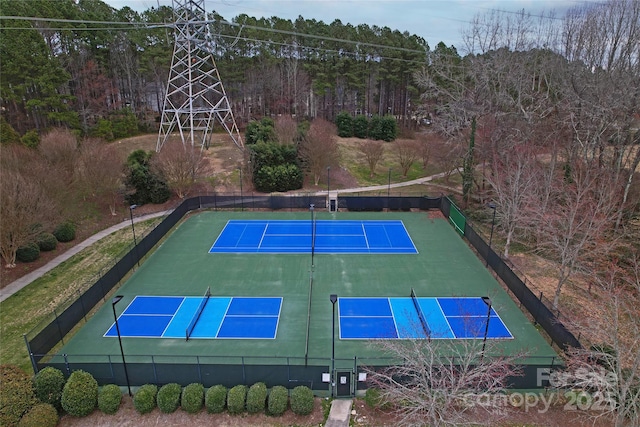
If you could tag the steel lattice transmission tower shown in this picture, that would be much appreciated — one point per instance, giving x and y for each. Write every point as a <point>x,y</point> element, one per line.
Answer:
<point>195,97</point>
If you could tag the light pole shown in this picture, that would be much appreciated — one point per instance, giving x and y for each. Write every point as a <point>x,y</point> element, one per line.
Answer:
<point>389,184</point>
<point>133,229</point>
<point>116,300</point>
<point>493,222</point>
<point>333,298</point>
<point>328,179</point>
<point>487,301</point>
<point>313,232</point>
<point>241,196</point>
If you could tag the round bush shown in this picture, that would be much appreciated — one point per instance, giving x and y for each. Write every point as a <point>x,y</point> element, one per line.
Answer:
<point>216,399</point>
<point>302,400</point>
<point>277,400</point>
<point>192,398</point>
<point>256,398</point>
<point>16,394</point>
<point>80,394</point>
<point>236,399</point>
<point>47,242</point>
<point>48,385</point>
<point>65,232</point>
<point>169,397</point>
<point>145,398</point>
<point>41,415</point>
<point>28,253</point>
<point>109,398</point>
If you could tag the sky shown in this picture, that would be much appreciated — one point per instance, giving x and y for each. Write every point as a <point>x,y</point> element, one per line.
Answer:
<point>434,20</point>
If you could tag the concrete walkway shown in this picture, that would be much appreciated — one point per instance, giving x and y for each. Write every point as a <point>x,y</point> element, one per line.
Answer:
<point>15,286</point>
<point>340,413</point>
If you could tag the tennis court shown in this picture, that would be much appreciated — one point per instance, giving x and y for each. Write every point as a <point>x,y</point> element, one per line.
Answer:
<point>199,317</point>
<point>419,318</point>
<point>322,236</point>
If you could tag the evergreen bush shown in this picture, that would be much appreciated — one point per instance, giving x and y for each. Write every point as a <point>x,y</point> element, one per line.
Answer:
<point>28,253</point>
<point>41,415</point>
<point>277,400</point>
<point>302,400</point>
<point>65,232</point>
<point>215,399</point>
<point>30,139</point>
<point>169,397</point>
<point>236,399</point>
<point>80,394</point>
<point>47,242</point>
<point>361,127</point>
<point>145,398</point>
<point>16,395</point>
<point>192,398</point>
<point>48,385</point>
<point>344,123</point>
<point>256,398</point>
<point>109,399</point>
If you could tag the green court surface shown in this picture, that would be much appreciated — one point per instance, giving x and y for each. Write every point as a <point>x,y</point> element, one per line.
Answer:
<point>183,266</point>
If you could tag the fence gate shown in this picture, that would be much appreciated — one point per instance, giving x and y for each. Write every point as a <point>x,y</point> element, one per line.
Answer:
<point>343,386</point>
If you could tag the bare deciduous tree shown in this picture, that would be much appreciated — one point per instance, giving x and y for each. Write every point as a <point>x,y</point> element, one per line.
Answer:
<point>100,171</point>
<point>609,372</point>
<point>406,152</point>
<point>575,227</point>
<point>319,148</point>
<point>286,129</point>
<point>180,165</point>
<point>25,208</point>
<point>372,152</point>
<point>435,382</point>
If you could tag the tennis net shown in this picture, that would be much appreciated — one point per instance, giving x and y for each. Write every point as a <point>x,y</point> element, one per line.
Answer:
<point>423,321</point>
<point>192,324</point>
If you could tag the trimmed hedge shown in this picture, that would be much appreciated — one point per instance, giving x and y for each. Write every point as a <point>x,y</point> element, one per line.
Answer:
<point>16,395</point>
<point>216,399</point>
<point>145,398</point>
<point>192,398</point>
<point>65,232</point>
<point>302,400</point>
<point>277,400</point>
<point>48,385</point>
<point>47,242</point>
<point>169,397</point>
<point>28,253</point>
<point>41,415</point>
<point>256,398</point>
<point>236,399</point>
<point>109,398</point>
<point>80,394</point>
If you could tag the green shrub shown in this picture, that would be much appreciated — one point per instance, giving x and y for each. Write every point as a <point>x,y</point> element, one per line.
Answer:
<point>256,398</point>
<point>215,399</point>
<point>30,139</point>
<point>28,253</point>
<point>8,134</point>
<point>192,398</point>
<point>302,400</point>
<point>372,398</point>
<point>145,398</point>
<point>169,397</point>
<point>48,385</point>
<point>65,232</point>
<point>236,399</point>
<point>361,126</point>
<point>277,400</point>
<point>344,123</point>
<point>109,398</point>
<point>16,395</point>
<point>47,242</point>
<point>80,394</point>
<point>41,415</point>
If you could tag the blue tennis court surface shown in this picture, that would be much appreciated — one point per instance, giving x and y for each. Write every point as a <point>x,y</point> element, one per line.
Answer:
<point>443,318</point>
<point>221,317</point>
<point>354,237</point>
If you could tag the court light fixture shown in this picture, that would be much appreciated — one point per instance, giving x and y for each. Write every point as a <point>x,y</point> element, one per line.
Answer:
<point>333,298</point>
<point>133,229</point>
<point>115,301</point>
<point>487,301</point>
